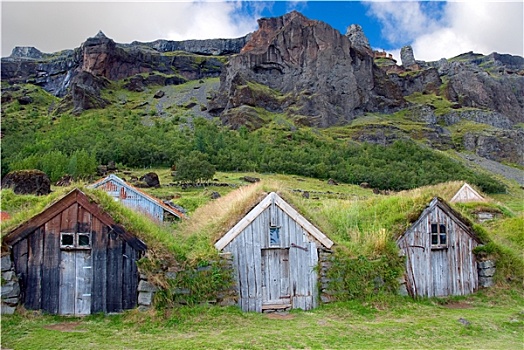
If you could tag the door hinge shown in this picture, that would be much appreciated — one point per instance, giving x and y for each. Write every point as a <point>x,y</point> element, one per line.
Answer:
<point>299,247</point>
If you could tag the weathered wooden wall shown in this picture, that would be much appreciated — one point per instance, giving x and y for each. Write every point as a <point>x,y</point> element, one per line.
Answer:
<point>77,281</point>
<point>268,275</point>
<point>133,199</point>
<point>434,272</point>
<point>466,194</point>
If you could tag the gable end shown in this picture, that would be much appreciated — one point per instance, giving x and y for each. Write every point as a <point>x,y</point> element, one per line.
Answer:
<point>258,209</point>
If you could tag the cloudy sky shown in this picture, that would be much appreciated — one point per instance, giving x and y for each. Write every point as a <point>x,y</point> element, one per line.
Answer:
<point>434,29</point>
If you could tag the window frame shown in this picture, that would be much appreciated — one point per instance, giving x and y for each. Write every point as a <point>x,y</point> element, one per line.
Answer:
<point>439,231</point>
<point>274,228</point>
<point>76,240</point>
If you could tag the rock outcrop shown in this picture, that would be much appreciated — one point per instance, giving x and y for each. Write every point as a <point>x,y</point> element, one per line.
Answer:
<point>407,57</point>
<point>27,182</point>
<point>308,70</point>
<point>215,47</point>
<point>102,58</point>
<point>358,39</point>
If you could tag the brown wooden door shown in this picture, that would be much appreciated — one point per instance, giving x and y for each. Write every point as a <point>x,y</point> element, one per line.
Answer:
<point>275,277</point>
<point>75,282</point>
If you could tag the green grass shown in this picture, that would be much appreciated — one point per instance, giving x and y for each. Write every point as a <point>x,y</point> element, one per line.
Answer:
<point>442,105</point>
<point>496,321</point>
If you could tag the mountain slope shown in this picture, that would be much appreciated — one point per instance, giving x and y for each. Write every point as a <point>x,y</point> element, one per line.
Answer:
<point>292,72</point>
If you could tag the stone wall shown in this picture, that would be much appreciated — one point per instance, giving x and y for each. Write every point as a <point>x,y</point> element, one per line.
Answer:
<point>324,263</point>
<point>486,271</point>
<point>10,292</point>
<point>180,295</point>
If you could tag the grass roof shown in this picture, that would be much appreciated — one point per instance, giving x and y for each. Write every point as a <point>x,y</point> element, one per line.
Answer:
<point>364,224</point>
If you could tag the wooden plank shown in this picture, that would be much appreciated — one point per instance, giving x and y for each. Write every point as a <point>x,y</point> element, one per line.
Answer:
<point>94,209</point>
<point>29,226</point>
<point>130,278</point>
<point>67,283</point>
<point>302,221</point>
<point>34,270</point>
<point>243,271</point>
<point>276,306</point>
<point>258,238</point>
<point>20,253</point>
<point>99,237</point>
<point>69,218</point>
<point>242,224</point>
<point>114,274</point>
<point>51,266</point>
<point>84,221</point>
<point>83,281</point>
<point>313,289</point>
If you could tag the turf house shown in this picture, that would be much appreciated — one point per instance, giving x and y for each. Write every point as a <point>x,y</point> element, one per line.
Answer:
<point>73,259</point>
<point>438,248</point>
<point>275,256</point>
<point>136,199</point>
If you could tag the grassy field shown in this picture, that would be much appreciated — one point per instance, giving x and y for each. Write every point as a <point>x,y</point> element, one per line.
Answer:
<point>490,319</point>
<point>483,321</point>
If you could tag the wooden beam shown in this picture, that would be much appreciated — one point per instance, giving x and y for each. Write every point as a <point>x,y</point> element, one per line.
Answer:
<point>29,226</point>
<point>275,306</point>
<point>242,224</point>
<point>302,221</point>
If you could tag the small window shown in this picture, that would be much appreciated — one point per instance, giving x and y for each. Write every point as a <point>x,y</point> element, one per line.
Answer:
<point>274,235</point>
<point>69,240</point>
<point>83,240</point>
<point>438,235</point>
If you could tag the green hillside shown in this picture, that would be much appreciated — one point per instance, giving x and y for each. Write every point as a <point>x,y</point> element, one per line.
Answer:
<point>138,131</point>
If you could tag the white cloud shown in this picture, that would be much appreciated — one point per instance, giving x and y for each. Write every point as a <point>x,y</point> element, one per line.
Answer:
<point>401,21</point>
<point>53,26</point>
<point>482,27</point>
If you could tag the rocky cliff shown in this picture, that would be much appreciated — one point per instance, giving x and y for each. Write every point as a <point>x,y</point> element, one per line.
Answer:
<point>66,74</point>
<point>308,70</point>
<point>303,70</point>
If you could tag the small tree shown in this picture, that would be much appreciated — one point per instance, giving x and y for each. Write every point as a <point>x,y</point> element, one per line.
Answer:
<point>194,167</point>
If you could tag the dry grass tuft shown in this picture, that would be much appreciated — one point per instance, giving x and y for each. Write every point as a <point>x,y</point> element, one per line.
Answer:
<point>216,217</point>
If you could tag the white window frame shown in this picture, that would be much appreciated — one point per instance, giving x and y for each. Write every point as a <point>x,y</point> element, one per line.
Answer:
<point>76,240</point>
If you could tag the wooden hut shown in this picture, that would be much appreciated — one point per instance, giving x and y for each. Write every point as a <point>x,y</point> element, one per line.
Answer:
<point>72,259</point>
<point>439,253</point>
<point>275,255</point>
<point>466,194</point>
<point>136,199</point>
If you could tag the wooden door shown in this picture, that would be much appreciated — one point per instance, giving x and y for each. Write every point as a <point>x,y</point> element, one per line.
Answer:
<point>75,282</point>
<point>440,274</point>
<point>275,278</point>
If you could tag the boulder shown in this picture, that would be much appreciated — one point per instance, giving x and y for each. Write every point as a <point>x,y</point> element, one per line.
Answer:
<point>64,181</point>
<point>27,182</point>
<point>159,94</point>
<point>25,100</point>
<point>332,182</point>
<point>251,179</point>
<point>6,263</point>
<point>151,179</point>
<point>84,93</point>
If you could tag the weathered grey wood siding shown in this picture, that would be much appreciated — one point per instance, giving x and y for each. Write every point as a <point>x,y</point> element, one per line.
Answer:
<point>103,278</point>
<point>133,199</point>
<point>466,194</point>
<point>435,272</point>
<point>262,272</point>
